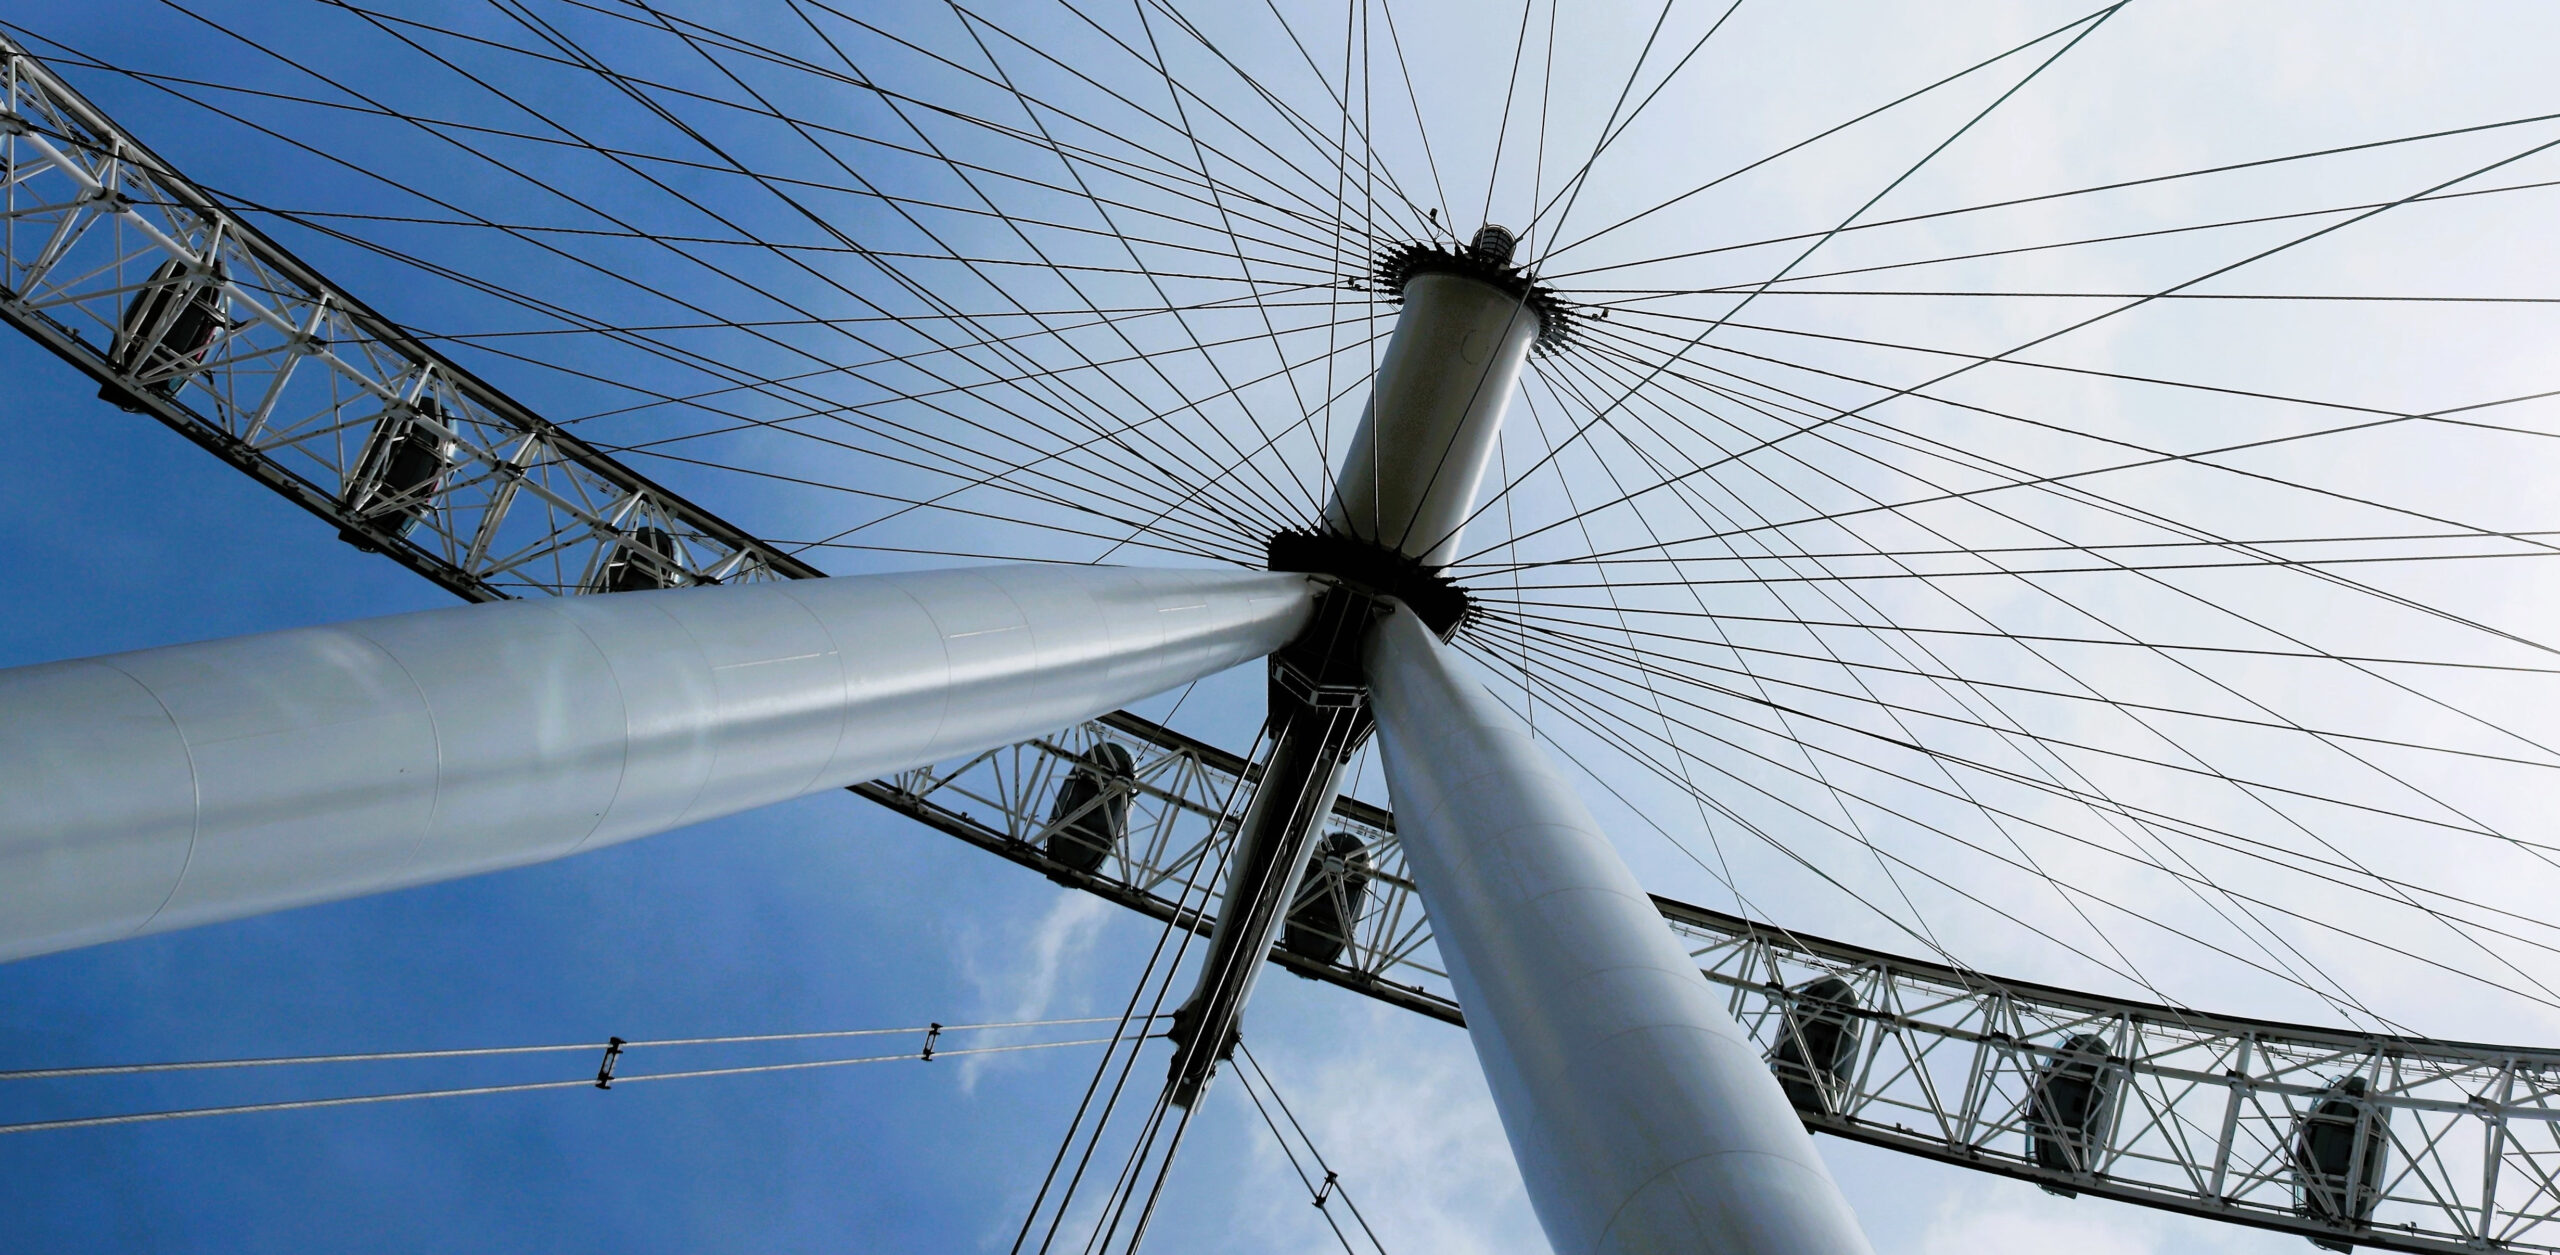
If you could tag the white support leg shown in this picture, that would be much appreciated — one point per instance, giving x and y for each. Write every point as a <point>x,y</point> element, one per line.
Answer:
<point>162,788</point>
<point>1642,1117</point>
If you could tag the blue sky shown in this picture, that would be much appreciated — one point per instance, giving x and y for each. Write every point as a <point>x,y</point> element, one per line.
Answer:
<point>821,914</point>
<point>830,914</point>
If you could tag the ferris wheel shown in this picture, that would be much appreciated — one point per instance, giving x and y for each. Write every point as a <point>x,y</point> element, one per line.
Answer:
<point>1968,585</point>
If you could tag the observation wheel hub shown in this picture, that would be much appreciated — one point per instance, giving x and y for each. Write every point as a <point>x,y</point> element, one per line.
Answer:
<point>1488,260</point>
<point>1373,570</point>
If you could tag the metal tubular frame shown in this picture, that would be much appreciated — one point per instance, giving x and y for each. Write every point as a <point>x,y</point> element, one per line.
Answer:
<point>1001,801</point>
<point>292,392</point>
<point>301,376</point>
<point>2208,1108</point>
<point>1947,1059</point>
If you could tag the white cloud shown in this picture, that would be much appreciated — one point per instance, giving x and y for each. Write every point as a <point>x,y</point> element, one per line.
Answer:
<point>1399,1109</point>
<point>1990,1217</point>
<point>1972,1224</point>
<point>1022,981</point>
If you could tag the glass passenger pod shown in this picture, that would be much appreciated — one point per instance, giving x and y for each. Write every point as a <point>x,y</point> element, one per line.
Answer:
<point>645,558</point>
<point>1091,816</point>
<point>166,329</point>
<point>1329,899</point>
<point>1817,1046</point>
<point>403,467</point>
<point>2071,1112</point>
<point>2339,1148</point>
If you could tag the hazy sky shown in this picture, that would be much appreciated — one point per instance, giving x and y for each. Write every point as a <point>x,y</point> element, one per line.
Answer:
<point>829,913</point>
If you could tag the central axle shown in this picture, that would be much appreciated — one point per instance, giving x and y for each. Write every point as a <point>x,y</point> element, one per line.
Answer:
<point>1401,500</point>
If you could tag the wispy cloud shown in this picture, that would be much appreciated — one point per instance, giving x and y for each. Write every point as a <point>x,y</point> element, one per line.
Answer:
<point>1399,1109</point>
<point>1981,1217</point>
<point>1018,973</point>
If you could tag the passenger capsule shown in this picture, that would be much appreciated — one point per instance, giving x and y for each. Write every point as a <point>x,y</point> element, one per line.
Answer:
<point>644,558</point>
<point>1329,899</point>
<point>2338,1151</point>
<point>1817,1045</point>
<point>2074,1101</point>
<point>1091,816</point>
<point>166,327</point>
<point>403,466</point>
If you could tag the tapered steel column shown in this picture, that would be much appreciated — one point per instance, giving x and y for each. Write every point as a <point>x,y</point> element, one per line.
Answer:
<point>1641,1115</point>
<point>1409,480</point>
<point>157,789</point>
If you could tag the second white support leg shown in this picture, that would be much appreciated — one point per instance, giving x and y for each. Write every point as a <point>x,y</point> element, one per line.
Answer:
<point>1642,1116</point>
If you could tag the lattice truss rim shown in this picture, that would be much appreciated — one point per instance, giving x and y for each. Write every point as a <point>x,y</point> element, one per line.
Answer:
<point>306,386</point>
<point>1948,1062</point>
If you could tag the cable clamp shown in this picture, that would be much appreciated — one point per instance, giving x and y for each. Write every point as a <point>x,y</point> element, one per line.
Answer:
<point>612,1056</point>
<point>1326,1190</point>
<point>929,1035</point>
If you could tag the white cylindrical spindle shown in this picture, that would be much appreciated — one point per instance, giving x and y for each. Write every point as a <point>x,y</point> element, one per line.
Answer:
<point>1409,479</point>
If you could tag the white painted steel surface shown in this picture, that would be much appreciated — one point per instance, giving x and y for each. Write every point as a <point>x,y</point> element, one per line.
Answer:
<point>1642,1116</point>
<point>1435,411</point>
<point>167,787</point>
